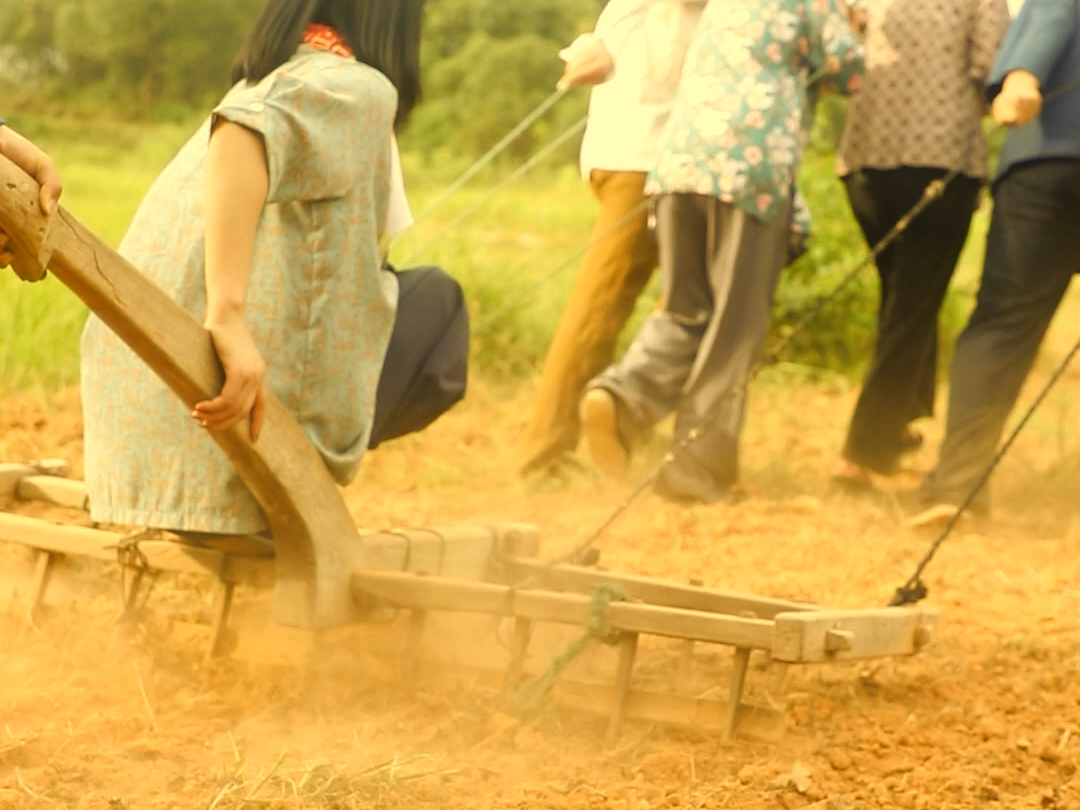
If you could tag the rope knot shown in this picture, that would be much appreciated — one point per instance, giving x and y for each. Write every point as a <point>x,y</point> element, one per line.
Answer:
<point>598,626</point>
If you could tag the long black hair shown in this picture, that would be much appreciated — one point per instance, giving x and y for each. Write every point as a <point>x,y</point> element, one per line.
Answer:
<point>384,34</point>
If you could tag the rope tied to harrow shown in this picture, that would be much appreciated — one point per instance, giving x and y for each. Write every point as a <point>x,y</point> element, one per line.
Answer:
<point>914,590</point>
<point>531,695</point>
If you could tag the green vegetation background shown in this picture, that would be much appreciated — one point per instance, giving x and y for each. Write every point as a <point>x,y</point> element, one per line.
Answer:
<point>112,88</point>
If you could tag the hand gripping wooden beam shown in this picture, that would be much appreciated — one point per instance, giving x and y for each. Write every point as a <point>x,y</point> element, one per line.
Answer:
<point>316,542</point>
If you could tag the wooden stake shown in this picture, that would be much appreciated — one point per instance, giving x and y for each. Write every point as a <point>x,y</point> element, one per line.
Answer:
<point>42,576</point>
<point>738,680</point>
<point>628,644</point>
<point>131,595</point>
<point>519,650</point>
<point>417,625</point>
<point>222,605</point>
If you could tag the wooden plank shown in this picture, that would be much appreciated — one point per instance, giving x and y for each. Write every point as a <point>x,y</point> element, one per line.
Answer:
<point>314,533</point>
<point>436,593</point>
<point>11,474</point>
<point>59,491</point>
<point>752,723</point>
<point>852,635</point>
<point>294,648</point>
<point>656,592</point>
<point>160,554</point>
<point>464,552</point>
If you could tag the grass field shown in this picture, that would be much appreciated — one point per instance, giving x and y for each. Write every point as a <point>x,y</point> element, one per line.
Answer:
<point>516,253</point>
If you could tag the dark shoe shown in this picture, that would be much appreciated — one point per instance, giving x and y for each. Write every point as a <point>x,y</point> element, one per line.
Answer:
<point>601,428</point>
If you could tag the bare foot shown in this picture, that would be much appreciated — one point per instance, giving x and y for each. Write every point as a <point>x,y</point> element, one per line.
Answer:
<point>851,474</point>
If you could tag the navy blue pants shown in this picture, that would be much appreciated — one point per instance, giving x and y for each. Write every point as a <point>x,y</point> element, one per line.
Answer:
<point>1032,253</point>
<point>426,366</point>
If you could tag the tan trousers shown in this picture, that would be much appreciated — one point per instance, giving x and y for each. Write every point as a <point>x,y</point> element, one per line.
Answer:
<point>615,270</point>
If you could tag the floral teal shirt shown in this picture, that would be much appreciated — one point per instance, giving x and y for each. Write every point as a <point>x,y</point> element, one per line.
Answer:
<point>736,128</point>
<point>319,305</point>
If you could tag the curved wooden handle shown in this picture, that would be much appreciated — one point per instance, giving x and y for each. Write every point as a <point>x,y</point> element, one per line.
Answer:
<point>316,541</point>
<point>28,229</point>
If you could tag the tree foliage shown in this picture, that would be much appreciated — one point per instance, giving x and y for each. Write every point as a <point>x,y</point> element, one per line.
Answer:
<point>487,63</point>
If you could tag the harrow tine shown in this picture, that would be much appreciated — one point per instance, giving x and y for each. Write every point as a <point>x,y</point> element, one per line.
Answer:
<point>519,650</point>
<point>738,680</point>
<point>628,644</point>
<point>222,605</point>
<point>417,626</point>
<point>42,576</point>
<point>130,596</point>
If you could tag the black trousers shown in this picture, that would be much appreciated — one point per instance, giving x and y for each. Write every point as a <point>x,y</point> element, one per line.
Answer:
<point>915,271</point>
<point>1032,253</point>
<point>426,367</point>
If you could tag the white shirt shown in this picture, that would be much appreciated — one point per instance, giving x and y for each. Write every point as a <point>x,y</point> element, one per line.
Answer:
<point>644,37</point>
<point>399,216</point>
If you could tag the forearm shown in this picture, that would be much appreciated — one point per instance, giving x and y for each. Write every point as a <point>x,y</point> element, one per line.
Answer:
<point>1035,42</point>
<point>20,151</point>
<point>237,183</point>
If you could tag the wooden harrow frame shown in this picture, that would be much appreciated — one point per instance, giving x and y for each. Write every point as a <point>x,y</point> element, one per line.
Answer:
<point>326,574</point>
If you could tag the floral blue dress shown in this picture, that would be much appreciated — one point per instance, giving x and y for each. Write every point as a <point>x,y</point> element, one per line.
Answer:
<point>736,129</point>
<point>320,307</point>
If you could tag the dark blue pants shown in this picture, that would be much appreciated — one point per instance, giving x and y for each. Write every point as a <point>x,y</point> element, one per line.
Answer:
<point>1032,253</point>
<point>427,361</point>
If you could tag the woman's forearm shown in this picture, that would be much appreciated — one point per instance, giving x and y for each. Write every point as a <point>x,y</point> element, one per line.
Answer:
<point>20,151</point>
<point>237,183</point>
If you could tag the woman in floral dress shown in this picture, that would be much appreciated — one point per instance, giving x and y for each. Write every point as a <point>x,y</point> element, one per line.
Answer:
<point>266,226</point>
<point>724,185</point>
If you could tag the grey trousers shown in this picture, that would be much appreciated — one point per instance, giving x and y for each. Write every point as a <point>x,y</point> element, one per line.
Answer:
<point>1032,253</point>
<point>719,268</point>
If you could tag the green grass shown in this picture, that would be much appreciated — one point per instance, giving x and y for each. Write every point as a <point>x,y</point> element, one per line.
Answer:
<point>508,255</point>
<point>516,256</point>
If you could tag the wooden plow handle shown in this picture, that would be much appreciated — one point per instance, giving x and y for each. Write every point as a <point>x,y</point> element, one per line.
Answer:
<point>316,541</point>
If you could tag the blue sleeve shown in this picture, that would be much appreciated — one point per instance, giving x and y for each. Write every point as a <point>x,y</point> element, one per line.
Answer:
<point>1035,42</point>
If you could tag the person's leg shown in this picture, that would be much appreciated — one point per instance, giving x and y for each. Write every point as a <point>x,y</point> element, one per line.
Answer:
<point>1032,252</point>
<point>616,268</point>
<point>894,390</point>
<point>747,258</point>
<point>427,361</point>
<point>645,385</point>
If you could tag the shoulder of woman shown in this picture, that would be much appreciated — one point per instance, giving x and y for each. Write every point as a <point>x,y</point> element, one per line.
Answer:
<point>344,81</point>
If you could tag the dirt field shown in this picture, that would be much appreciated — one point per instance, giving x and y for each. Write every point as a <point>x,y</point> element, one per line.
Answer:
<point>988,716</point>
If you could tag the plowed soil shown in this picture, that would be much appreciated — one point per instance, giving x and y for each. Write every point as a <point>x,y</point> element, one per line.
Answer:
<point>987,716</point>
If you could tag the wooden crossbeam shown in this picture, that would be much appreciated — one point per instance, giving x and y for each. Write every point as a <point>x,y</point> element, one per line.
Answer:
<point>852,635</point>
<point>654,591</point>
<point>161,555</point>
<point>59,491</point>
<point>462,551</point>
<point>12,474</point>
<point>436,593</point>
